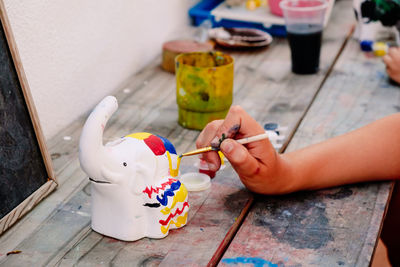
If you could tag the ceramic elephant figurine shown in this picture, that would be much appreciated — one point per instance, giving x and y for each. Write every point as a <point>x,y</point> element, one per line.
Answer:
<point>134,193</point>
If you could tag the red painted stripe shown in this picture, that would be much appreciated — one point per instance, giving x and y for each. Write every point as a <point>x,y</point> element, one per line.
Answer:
<point>177,212</point>
<point>151,190</point>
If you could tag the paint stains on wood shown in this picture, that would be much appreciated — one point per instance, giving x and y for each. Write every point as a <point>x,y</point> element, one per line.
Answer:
<point>153,260</point>
<point>279,107</point>
<point>298,219</point>
<point>341,193</point>
<point>14,252</point>
<point>235,201</point>
<point>257,262</point>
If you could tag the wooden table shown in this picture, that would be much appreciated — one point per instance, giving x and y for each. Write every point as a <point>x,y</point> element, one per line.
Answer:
<point>228,224</point>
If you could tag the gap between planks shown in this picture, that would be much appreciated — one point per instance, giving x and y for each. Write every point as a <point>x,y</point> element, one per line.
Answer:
<point>216,258</point>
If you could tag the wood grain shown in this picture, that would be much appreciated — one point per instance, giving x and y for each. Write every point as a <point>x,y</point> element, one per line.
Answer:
<point>264,86</point>
<point>340,226</point>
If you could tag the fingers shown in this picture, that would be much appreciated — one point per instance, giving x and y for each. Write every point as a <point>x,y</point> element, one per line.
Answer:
<point>208,133</point>
<point>387,60</point>
<point>239,157</point>
<point>394,53</point>
<point>392,61</point>
<point>237,124</point>
<point>204,140</point>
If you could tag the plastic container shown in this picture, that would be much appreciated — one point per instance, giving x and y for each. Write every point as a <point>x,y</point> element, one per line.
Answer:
<point>275,8</point>
<point>204,10</point>
<point>239,17</point>
<point>195,181</point>
<point>204,87</point>
<point>173,48</point>
<point>304,25</point>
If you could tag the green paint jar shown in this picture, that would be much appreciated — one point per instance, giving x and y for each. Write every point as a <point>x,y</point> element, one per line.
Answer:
<point>204,87</point>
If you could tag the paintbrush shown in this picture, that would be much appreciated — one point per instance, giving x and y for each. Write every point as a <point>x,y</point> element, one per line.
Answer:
<point>240,141</point>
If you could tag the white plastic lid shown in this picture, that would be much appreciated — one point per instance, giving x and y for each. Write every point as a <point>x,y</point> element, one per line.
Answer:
<point>195,181</point>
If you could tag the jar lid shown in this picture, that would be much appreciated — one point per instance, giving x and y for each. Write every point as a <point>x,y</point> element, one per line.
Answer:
<point>195,181</point>
<point>187,46</point>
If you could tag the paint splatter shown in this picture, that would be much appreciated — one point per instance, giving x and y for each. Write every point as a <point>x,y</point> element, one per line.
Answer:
<point>342,193</point>
<point>14,252</point>
<point>216,143</point>
<point>257,262</point>
<point>154,260</point>
<point>279,108</point>
<point>308,225</point>
<point>236,201</point>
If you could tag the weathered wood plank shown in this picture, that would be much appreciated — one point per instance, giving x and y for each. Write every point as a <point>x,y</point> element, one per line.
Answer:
<point>328,227</point>
<point>150,106</point>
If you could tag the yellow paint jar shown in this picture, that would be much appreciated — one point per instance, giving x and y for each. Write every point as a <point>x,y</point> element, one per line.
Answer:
<point>204,87</point>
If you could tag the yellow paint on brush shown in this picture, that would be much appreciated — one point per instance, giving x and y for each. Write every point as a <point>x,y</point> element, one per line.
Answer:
<point>173,172</point>
<point>221,156</point>
<point>140,136</point>
<point>181,220</point>
<point>180,196</point>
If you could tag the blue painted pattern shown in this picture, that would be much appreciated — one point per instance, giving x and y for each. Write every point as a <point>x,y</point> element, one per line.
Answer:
<point>257,262</point>
<point>169,193</point>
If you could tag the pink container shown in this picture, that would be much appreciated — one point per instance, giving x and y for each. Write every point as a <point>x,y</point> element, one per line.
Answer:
<point>275,8</point>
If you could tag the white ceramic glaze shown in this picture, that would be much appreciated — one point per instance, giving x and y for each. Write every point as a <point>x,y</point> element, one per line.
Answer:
<point>133,192</point>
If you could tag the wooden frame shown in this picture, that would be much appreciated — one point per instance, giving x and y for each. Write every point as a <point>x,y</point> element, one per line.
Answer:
<point>51,183</point>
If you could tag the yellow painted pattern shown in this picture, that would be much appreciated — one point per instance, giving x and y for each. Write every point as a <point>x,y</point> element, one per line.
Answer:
<point>181,220</point>
<point>180,196</point>
<point>173,172</point>
<point>140,136</point>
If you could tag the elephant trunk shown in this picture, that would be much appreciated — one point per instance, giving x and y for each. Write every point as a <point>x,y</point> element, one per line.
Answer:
<point>91,149</point>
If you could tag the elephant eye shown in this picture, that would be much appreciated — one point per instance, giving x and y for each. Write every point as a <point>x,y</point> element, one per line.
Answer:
<point>125,164</point>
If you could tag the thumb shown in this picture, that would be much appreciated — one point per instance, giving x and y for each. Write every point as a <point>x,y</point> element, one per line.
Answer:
<point>239,157</point>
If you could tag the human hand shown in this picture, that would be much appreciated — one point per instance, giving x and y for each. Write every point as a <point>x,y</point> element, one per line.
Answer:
<point>392,61</point>
<point>257,163</point>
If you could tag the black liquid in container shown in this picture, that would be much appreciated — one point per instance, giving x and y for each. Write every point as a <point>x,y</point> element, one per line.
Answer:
<point>305,45</point>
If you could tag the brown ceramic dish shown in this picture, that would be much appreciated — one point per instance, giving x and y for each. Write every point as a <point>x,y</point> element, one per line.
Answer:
<point>240,37</point>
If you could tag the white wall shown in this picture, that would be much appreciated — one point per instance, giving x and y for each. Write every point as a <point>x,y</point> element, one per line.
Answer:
<point>74,52</point>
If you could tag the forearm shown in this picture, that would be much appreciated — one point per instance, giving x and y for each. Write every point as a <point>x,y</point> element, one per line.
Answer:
<point>369,153</point>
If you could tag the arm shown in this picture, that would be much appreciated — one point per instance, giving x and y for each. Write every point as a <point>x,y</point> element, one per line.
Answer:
<point>369,153</point>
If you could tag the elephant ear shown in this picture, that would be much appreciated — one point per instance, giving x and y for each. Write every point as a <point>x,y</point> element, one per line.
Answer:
<point>142,174</point>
